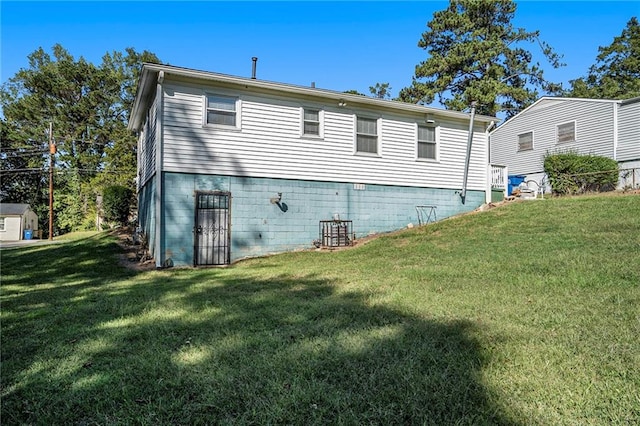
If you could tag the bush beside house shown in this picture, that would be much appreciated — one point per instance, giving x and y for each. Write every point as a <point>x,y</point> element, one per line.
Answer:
<point>572,173</point>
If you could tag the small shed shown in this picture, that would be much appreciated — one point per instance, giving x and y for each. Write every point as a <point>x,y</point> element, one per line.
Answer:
<point>15,219</point>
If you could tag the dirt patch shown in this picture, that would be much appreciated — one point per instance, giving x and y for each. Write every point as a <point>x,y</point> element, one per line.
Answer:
<point>134,256</point>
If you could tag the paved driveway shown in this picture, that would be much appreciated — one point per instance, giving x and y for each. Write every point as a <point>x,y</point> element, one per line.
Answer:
<point>24,243</point>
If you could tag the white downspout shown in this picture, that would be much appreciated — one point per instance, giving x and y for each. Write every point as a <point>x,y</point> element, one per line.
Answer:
<point>615,130</point>
<point>158,254</point>
<point>463,194</point>
<point>489,191</point>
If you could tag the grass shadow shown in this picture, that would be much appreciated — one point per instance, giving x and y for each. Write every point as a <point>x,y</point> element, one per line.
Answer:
<point>85,342</point>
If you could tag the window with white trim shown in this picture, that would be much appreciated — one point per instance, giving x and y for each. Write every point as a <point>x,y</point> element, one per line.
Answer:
<point>525,141</point>
<point>566,132</point>
<point>2,225</point>
<point>221,110</point>
<point>311,122</point>
<point>366,135</point>
<point>427,143</point>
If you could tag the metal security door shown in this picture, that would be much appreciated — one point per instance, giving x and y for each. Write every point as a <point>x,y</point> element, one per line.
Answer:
<point>212,237</point>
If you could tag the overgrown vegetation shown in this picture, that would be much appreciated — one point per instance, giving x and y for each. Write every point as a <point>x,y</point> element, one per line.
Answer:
<point>525,314</point>
<point>116,204</point>
<point>572,173</point>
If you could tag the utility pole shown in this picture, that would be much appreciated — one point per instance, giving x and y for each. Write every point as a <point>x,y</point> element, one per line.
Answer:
<point>52,151</point>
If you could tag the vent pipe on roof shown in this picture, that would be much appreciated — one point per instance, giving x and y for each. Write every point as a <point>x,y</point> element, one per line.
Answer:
<point>313,84</point>
<point>253,68</point>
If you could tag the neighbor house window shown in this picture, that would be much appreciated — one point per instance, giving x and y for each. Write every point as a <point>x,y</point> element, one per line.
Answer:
<point>367,135</point>
<point>525,141</point>
<point>567,132</point>
<point>221,110</point>
<point>427,142</point>
<point>2,224</point>
<point>311,122</point>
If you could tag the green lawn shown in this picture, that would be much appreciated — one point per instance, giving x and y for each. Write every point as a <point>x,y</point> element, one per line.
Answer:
<point>524,314</point>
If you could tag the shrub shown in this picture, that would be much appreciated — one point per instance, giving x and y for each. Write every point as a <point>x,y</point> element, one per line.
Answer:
<point>116,204</point>
<point>572,173</point>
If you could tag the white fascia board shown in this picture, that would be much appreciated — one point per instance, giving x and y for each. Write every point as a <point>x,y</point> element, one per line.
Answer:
<point>146,84</point>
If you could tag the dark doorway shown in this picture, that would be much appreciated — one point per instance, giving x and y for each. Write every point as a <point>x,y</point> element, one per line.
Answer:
<point>212,236</point>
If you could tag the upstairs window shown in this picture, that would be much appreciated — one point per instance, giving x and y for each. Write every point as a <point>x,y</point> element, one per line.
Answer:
<point>427,143</point>
<point>221,110</point>
<point>566,132</point>
<point>525,141</point>
<point>2,225</point>
<point>311,122</point>
<point>366,135</point>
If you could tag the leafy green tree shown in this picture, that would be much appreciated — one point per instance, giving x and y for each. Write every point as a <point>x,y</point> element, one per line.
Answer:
<point>89,106</point>
<point>616,73</point>
<point>116,204</point>
<point>475,54</point>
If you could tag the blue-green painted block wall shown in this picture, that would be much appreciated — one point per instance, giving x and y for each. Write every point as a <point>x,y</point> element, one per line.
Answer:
<point>147,212</point>
<point>260,227</point>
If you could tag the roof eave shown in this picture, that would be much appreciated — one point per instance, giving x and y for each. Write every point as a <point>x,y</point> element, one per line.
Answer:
<point>150,72</point>
<point>146,84</point>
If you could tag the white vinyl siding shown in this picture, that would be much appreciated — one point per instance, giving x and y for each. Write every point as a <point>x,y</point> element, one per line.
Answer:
<point>525,141</point>
<point>269,145</point>
<point>594,132</point>
<point>629,132</point>
<point>13,228</point>
<point>427,147</point>
<point>147,145</point>
<point>366,135</point>
<point>311,122</point>
<point>566,132</point>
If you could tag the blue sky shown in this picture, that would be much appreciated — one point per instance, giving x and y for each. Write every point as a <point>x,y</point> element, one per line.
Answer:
<point>338,45</point>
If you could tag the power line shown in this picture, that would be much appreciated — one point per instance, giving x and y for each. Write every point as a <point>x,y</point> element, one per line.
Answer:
<point>22,170</point>
<point>63,171</point>
<point>23,150</point>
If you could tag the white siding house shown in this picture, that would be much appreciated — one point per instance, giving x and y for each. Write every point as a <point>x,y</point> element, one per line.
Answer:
<point>15,219</point>
<point>609,128</point>
<point>231,167</point>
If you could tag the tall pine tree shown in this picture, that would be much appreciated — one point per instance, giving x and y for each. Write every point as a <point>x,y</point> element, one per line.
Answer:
<point>616,73</point>
<point>475,54</point>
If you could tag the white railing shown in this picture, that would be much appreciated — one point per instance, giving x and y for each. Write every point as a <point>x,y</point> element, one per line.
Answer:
<point>498,176</point>
<point>496,180</point>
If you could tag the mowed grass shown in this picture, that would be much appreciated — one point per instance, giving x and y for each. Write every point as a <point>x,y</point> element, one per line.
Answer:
<point>524,314</point>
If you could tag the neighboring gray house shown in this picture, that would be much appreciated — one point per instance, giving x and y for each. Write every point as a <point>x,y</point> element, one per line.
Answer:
<point>232,167</point>
<point>609,128</point>
<point>15,219</point>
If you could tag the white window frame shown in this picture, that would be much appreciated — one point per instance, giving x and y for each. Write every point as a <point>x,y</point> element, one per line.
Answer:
<point>3,224</point>
<point>575,132</point>
<point>436,142</point>
<point>378,135</point>
<point>320,134</point>
<point>520,149</point>
<point>222,94</point>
